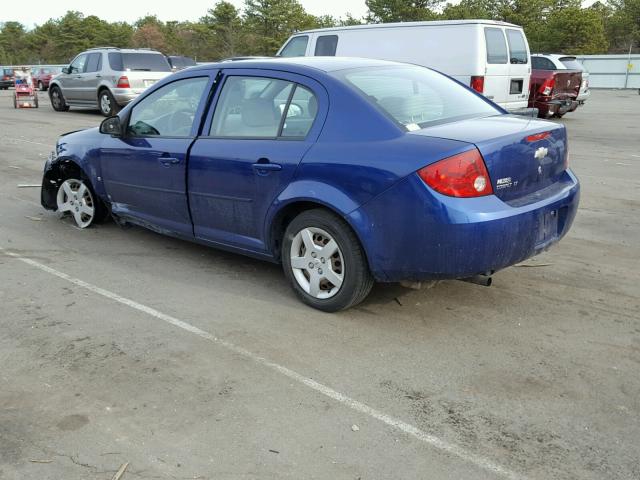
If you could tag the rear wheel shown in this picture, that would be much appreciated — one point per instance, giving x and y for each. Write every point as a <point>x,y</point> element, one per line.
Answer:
<point>77,198</point>
<point>57,100</point>
<point>323,260</point>
<point>107,104</point>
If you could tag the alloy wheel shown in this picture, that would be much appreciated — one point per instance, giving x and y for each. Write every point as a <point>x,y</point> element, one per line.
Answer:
<point>317,263</point>
<point>74,197</point>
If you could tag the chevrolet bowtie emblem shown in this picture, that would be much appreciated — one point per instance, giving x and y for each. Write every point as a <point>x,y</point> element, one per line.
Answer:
<point>541,153</point>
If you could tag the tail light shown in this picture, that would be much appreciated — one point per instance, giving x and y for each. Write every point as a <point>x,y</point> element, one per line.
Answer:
<point>463,175</point>
<point>547,87</point>
<point>477,83</point>
<point>123,82</point>
<point>538,136</point>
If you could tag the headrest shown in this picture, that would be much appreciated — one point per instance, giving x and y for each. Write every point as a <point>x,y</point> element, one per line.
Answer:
<point>258,112</point>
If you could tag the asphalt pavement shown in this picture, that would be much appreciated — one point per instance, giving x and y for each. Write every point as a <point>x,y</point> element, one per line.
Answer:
<point>121,345</point>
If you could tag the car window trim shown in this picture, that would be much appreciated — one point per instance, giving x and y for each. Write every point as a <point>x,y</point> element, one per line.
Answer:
<point>210,85</point>
<point>285,110</point>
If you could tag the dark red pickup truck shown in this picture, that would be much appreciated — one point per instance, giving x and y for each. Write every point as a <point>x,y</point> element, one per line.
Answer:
<point>553,91</point>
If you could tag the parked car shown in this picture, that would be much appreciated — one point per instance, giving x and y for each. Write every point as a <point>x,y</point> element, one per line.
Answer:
<point>7,78</point>
<point>42,76</point>
<point>571,63</point>
<point>347,171</point>
<point>491,57</point>
<point>107,78</point>
<point>179,62</point>
<point>554,87</point>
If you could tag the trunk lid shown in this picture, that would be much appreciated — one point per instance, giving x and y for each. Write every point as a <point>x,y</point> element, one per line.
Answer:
<point>522,155</point>
<point>144,79</point>
<point>567,84</point>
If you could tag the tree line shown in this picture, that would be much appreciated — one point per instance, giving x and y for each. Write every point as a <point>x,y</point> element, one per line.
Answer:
<point>261,26</point>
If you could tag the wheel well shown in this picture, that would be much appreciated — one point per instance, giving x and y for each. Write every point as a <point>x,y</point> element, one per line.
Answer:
<point>101,89</point>
<point>53,178</point>
<point>287,214</point>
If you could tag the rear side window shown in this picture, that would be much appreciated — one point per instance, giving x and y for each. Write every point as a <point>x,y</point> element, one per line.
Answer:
<point>251,107</point>
<point>572,63</point>
<point>140,62</point>
<point>517,47</point>
<point>416,97</point>
<point>496,46</point>
<point>541,63</point>
<point>297,47</point>
<point>94,63</point>
<point>326,46</point>
<point>301,113</point>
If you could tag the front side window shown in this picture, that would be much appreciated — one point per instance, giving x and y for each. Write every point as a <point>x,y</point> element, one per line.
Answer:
<point>297,47</point>
<point>416,97</point>
<point>496,46</point>
<point>251,107</point>
<point>169,111</point>
<point>326,46</point>
<point>517,47</point>
<point>77,66</point>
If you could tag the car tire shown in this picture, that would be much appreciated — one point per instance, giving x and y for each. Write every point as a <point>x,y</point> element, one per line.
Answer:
<point>77,198</point>
<point>107,104</point>
<point>57,100</point>
<point>324,261</point>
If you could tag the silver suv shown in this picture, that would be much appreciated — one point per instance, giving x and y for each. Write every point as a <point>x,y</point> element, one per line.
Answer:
<point>106,78</point>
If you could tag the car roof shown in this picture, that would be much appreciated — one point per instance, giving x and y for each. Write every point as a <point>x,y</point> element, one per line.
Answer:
<point>552,55</point>
<point>412,24</point>
<point>301,64</point>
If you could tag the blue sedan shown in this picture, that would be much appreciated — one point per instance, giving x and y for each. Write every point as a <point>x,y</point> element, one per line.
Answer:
<point>346,171</point>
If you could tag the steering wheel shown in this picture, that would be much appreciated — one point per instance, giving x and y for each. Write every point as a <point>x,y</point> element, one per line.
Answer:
<point>180,122</point>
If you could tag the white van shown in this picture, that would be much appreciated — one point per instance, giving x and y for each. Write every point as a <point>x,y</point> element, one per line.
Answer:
<point>491,57</point>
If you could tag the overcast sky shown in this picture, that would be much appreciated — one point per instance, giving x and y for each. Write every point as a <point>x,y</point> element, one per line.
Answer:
<point>39,11</point>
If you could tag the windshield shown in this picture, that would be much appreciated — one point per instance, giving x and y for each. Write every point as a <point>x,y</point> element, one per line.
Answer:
<point>416,97</point>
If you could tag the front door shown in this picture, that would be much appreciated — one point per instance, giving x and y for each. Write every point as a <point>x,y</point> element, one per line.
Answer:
<point>71,82</point>
<point>144,172</point>
<point>260,130</point>
<point>90,78</point>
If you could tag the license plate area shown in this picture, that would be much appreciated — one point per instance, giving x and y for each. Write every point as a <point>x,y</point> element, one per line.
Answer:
<point>547,227</point>
<point>148,83</point>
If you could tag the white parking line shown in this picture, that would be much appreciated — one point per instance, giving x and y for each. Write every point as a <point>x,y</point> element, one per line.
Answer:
<point>356,405</point>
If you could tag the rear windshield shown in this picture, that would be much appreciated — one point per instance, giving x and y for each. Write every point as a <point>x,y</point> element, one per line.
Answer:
<point>416,97</point>
<point>7,71</point>
<point>142,62</point>
<point>571,63</point>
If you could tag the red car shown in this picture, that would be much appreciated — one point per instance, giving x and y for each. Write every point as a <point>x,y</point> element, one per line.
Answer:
<point>42,76</point>
<point>6,78</point>
<point>553,89</point>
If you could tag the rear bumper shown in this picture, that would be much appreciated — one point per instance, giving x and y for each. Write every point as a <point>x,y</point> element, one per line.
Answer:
<point>555,107</point>
<point>123,96</point>
<point>413,233</point>
<point>584,96</point>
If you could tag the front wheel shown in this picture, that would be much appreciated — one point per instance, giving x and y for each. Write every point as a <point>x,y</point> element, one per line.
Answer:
<point>324,261</point>
<point>57,100</point>
<point>108,105</point>
<point>75,197</point>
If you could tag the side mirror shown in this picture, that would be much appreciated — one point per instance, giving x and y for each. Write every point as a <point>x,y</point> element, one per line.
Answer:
<point>111,126</point>
<point>66,70</point>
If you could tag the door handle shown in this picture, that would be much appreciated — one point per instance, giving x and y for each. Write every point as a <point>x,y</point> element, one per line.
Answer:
<point>98,76</point>
<point>78,76</point>
<point>168,161</point>
<point>264,165</point>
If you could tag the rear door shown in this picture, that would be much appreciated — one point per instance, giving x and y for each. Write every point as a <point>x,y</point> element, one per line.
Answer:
<point>496,81</point>
<point>250,149</point>
<point>144,172</point>
<point>519,66</point>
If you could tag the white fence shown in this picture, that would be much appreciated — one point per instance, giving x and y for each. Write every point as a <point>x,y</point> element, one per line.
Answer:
<point>612,71</point>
